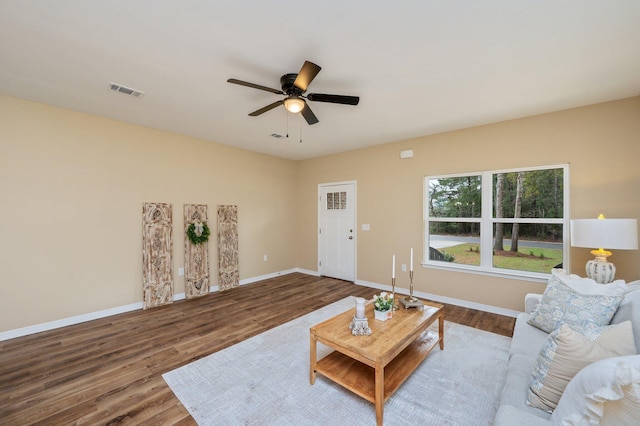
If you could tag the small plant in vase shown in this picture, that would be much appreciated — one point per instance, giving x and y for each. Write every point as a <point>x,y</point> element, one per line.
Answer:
<point>383,306</point>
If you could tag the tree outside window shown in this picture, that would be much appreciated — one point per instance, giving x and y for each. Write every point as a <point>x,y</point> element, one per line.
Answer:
<point>505,221</point>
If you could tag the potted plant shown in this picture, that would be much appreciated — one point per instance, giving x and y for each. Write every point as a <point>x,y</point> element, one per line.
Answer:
<point>383,306</point>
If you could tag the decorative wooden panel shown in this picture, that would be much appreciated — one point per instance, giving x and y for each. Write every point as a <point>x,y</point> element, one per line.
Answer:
<point>228,247</point>
<point>196,256</point>
<point>157,252</point>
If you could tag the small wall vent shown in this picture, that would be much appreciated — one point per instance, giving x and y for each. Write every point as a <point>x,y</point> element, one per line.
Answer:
<point>126,90</point>
<point>276,135</point>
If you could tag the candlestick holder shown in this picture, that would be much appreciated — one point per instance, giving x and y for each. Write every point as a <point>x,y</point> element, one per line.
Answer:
<point>411,302</point>
<point>393,292</point>
<point>411,298</point>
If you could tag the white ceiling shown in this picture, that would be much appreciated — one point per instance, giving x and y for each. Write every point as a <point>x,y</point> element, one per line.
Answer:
<point>420,67</point>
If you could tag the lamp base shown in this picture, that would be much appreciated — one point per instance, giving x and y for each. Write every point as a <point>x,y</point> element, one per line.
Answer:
<point>600,271</point>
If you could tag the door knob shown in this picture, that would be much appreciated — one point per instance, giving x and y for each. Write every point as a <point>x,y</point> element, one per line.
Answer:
<point>351,237</point>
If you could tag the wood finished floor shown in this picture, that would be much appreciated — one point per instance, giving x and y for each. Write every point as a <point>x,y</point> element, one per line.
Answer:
<point>109,371</point>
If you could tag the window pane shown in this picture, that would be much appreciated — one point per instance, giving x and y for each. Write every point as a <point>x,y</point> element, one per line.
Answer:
<point>537,248</point>
<point>455,242</point>
<point>524,208</point>
<point>535,193</point>
<point>455,197</point>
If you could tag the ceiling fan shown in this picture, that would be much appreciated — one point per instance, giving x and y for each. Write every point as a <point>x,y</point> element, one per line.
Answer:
<point>294,86</point>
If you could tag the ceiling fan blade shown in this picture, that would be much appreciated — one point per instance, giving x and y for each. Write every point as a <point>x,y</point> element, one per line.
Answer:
<point>309,115</point>
<point>307,73</point>
<point>334,99</point>
<point>265,109</point>
<point>255,86</point>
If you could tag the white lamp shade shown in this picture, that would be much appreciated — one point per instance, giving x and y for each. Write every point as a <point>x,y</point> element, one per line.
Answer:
<point>620,234</point>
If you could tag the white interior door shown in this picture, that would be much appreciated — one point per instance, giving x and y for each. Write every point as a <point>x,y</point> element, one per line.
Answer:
<point>337,231</point>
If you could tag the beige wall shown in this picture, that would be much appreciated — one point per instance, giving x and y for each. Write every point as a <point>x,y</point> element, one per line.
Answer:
<point>72,187</point>
<point>71,193</point>
<point>600,142</point>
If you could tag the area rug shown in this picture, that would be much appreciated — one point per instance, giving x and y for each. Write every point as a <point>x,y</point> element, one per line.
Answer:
<point>265,381</point>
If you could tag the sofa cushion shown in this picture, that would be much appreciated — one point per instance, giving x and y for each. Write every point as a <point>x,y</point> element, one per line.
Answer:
<point>526,340</point>
<point>509,415</point>
<point>516,385</point>
<point>566,352</point>
<point>630,304</point>
<point>576,301</point>
<point>606,392</point>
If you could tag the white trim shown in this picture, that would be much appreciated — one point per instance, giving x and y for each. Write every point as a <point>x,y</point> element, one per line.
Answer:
<point>444,299</point>
<point>308,272</point>
<point>536,277</point>
<point>37,328</point>
<point>64,322</point>
<point>267,276</point>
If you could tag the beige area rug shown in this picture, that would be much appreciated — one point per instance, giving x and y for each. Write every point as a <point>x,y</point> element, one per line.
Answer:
<point>265,381</point>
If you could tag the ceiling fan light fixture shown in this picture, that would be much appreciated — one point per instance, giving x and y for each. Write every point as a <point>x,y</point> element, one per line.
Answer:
<point>293,87</point>
<point>294,105</point>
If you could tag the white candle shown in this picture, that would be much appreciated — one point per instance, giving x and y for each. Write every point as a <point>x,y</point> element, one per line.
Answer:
<point>393,267</point>
<point>411,263</point>
<point>359,307</point>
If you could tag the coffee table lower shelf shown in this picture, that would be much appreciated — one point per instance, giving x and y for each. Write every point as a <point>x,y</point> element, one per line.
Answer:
<point>359,377</point>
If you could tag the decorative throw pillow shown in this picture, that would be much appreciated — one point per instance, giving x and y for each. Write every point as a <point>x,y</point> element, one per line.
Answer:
<point>579,302</point>
<point>588,286</point>
<point>606,392</point>
<point>565,352</point>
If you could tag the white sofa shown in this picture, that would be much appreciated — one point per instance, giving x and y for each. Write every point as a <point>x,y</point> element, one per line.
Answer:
<point>524,351</point>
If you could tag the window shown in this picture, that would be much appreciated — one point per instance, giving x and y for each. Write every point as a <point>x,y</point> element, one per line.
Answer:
<point>502,221</point>
<point>336,201</point>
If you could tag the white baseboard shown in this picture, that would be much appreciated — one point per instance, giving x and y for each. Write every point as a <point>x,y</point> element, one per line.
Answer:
<point>308,272</point>
<point>51,325</point>
<point>444,299</point>
<point>267,276</point>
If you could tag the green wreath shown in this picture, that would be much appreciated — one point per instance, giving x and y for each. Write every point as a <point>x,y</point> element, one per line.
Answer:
<point>193,231</point>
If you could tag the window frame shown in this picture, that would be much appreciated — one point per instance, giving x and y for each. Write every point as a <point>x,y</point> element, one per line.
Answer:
<point>487,222</point>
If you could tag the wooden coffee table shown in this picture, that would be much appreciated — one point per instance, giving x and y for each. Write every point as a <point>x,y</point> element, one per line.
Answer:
<point>375,366</point>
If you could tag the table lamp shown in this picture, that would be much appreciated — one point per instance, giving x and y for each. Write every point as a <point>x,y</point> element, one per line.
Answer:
<point>604,233</point>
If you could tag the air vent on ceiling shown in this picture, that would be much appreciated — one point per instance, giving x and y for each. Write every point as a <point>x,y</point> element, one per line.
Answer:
<point>126,90</point>
<point>276,135</point>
